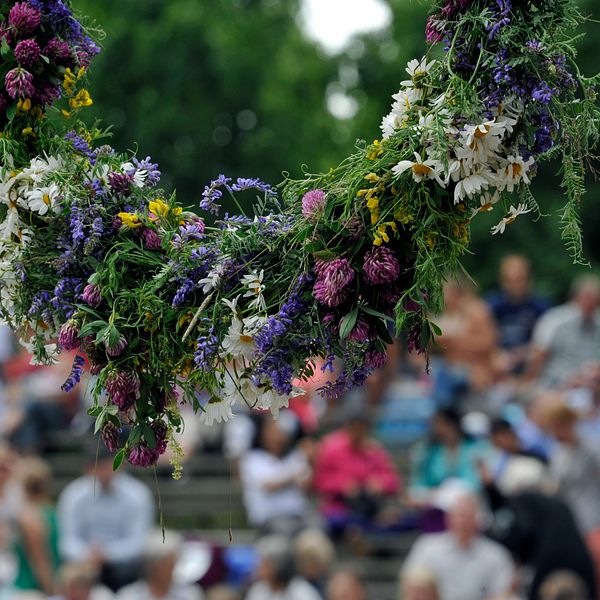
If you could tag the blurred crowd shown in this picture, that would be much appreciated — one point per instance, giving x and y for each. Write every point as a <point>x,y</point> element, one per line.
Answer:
<point>486,452</point>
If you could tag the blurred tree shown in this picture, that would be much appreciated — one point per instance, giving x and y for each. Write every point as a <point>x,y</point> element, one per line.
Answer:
<point>233,86</point>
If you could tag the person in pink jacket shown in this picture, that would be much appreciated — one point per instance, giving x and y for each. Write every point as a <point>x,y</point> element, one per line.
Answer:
<point>354,476</point>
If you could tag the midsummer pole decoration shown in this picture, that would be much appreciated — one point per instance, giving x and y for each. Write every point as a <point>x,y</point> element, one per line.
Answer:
<point>96,259</point>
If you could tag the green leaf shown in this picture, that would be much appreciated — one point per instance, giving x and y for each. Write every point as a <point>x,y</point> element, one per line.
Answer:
<point>383,332</point>
<point>100,420</point>
<point>11,111</point>
<point>348,323</point>
<point>134,436</point>
<point>5,48</point>
<point>95,411</point>
<point>374,313</point>
<point>149,436</point>
<point>119,456</point>
<point>113,336</point>
<point>435,328</point>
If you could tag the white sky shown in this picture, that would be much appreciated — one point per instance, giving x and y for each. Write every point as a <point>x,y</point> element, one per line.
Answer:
<point>333,22</point>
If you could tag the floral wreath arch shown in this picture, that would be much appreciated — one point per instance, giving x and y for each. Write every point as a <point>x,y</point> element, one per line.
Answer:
<point>96,259</point>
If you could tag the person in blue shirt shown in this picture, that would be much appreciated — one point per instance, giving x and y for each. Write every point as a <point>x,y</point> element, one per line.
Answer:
<point>516,309</point>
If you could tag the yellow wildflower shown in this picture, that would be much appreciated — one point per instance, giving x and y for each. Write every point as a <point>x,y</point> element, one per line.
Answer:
<point>372,177</point>
<point>130,220</point>
<point>24,105</point>
<point>373,203</point>
<point>81,99</point>
<point>28,131</point>
<point>159,207</point>
<point>375,150</point>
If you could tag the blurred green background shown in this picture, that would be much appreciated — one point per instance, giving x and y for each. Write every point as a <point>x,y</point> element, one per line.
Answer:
<point>236,86</point>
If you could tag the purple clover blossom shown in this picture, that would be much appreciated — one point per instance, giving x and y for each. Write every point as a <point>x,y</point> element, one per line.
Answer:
<point>110,436</point>
<point>123,388</point>
<point>313,205</point>
<point>27,53</point>
<point>151,239</point>
<point>361,331</point>
<point>116,349</point>
<point>58,51</point>
<point>152,172</point>
<point>92,295</point>
<point>68,336</point>
<point>207,349</point>
<point>24,18</point>
<point>374,359</point>
<point>120,183</point>
<point>333,279</point>
<point>19,83</point>
<point>381,266</point>
<point>75,376</point>
<point>141,456</point>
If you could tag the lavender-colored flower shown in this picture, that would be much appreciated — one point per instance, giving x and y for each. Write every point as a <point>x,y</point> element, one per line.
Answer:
<point>374,359</point>
<point>58,51</point>
<point>313,205</point>
<point>252,183</point>
<point>81,145</point>
<point>333,279</point>
<point>118,348</point>
<point>75,376</point>
<point>68,336</point>
<point>380,265</point>
<point>151,239</point>
<point>413,341</point>
<point>25,19</point>
<point>123,388</point>
<point>212,193</point>
<point>110,436</point>
<point>434,31</point>
<point>361,332</point>
<point>191,231</point>
<point>152,172</point>
<point>27,53</point>
<point>19,83</point>
<point>207,348</point>
<point>543,93</point>
<point>92,295</point>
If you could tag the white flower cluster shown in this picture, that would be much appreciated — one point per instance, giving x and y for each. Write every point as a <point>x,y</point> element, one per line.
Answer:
<point>474,157</point>
<point>238,353</point>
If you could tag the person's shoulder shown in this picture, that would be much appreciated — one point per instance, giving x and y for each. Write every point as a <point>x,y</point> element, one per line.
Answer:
<point>133,591</point>
<point>300,589</point>
<point>496,300</point>
<point>433,542</point>
<point>81,486</point>
<point>128,484</point>
<point>492,549</point>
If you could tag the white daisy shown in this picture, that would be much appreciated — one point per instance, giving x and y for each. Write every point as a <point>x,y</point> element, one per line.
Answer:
<point>487,201</point>
<point>216,410</point>
<point>478,142</point>
<point>11,226</point>
<point>515,172</point>
<point>422,169</point>
<point>254,282</point>
<point>271,400</point>
<point>510,217</point>
<point>138,175</point>
<point>41,200</point>
<point>212,280</point>
<point>239,340</point>
<point>39,167</point>
<point>417,69</point>
<point>471,185</point>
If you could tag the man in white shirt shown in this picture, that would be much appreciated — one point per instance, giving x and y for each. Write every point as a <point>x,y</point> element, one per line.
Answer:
<point>466,565</point>
<point>105,518</point>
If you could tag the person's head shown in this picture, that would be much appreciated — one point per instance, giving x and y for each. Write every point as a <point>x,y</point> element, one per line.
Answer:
<point>522,474</point>
<point>503,436</point>
<point>36,479</point>
<point>446,427</point>
<point>77,580</point>
<point>418,584</point>
<point>314,554</point>
<point>585,292</point>
<point>464,518</point>
<point>515,276</point>
<point>276,567</point>
<point>357,418</point>
<point>561,422</point>
<point>222,592</point>
<point>276,436</point>
<point>100,463</point>
<point>159,557</point>
<point>346,585</point>
<point>564,585</point>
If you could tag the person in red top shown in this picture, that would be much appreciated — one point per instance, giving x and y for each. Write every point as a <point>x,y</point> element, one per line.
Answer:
<point>354,476</point>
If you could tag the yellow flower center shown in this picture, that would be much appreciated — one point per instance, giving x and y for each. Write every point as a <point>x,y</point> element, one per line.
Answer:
<point>46,199</point>
<point>421,169</point>
<point>247,339</point>
<point>482,131</point>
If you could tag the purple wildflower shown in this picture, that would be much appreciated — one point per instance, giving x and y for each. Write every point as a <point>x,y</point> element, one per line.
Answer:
<point>374,359</point>
<point>543,93</point>
<point>120,183</point>
<point>75,376</point>
<point>81,145</point>
<point>19,83</point>
<point>24,18</point>
<point>333,279</point>
<point>27,53</point>
<point>110,436</point>
<point>361,331</point>
<point>123,388</point>
<point>141,456</point>
<point>252,183</point>
<point>118,348</point>
<point>380,265</point>
<point>152,172</point>
<point>212,194</point>
<point>68,336</point>
<point>207,347</point>
<point>58,51</point>
<point>92,295</point>
<point>96,357</point>
<point>313,205</point>
<point>434,31</point>
<point>191,231</point>
<point>151,239</point>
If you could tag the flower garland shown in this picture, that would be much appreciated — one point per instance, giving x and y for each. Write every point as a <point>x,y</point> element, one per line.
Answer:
<point>162,307</point>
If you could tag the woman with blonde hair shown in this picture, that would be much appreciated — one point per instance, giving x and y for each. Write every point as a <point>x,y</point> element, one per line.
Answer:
<point>418,584</point>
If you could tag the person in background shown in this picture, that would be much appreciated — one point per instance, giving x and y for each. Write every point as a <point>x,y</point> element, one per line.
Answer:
<point>78,581</point>
<point>159,559</point>
<point>516,309</point>
<point>567,337</point>
<point>418,584</point>
<point>277,577</point>
<point>564,585</point>
<point>448,454</point>
<point>275,474</point>
<point>105,518</point>
<point>354,475</point>
<point>465,362</point>
<point>575,470</point>
<point>36,547</point>
<point>346,585</point>
<point>222,592</point>
<point>465,564</point>
<point>314,554</point>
